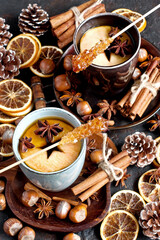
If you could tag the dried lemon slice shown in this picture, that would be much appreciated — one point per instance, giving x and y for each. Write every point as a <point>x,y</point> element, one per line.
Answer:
<point>47,52</point>
<point>127,200</point>
<point>4,118</point>
<point>121,10</point>
<point>119,224</point>
<point>15,95</point>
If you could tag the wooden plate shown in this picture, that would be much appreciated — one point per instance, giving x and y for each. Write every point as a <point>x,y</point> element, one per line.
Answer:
<point>15,181</point>
<point>89,93</point>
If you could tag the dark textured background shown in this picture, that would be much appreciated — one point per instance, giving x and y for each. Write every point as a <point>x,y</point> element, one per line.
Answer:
<point>10,9</point>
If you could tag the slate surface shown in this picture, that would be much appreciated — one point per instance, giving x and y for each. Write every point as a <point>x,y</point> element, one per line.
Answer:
<point>10,10</point>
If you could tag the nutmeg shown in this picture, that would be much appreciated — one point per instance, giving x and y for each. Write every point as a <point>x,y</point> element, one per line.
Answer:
<point>71,236</point>
<point>142,55</point>
<point>2,186</point>
<point>12,226</point>
<point>29,198</point>
<point>2,202</point>
<point>7,136</point>
<point>96,156</point>
<point>136,74</point>
<point>47,66</point>
<point>26,233</point>
<point>78,213</point>
<point>67,63</point>
<point>84,108</point>
<point>62,83</point>
<point>62,209</point>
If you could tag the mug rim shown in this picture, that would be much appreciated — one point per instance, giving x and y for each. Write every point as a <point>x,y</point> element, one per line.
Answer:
<point>20,125</point>
<point>114,66</point>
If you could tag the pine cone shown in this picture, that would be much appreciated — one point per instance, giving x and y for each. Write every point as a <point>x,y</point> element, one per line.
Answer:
<point>141,148</point>
<point>5,35</point>
<point>9,64</point>
<point>33,20</point>
<point>150,220</point>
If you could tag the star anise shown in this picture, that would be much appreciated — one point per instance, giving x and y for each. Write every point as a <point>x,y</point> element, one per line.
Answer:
<point>71,97</point>
<point>90,147</point>
<point>114,30</point>
<point>44,209</point>
<point>121,48</point>
<point>106,108</point>
<point>46,130</point>
<point>156,123</point>
<point>122,180</point>
<point>146,63</point>
<point>155,176</point>
<point>25,143</point>
<point>91,116</point>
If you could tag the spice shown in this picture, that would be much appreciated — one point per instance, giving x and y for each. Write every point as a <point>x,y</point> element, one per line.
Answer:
<point>122,180</point>
<point>26,143</point>
<point>47,130</point>
<point>44,209</point>
<point>155,176</point>
<point>146,63</point>
<point>106,108</point>
<point>156,123</point>
<point>71,97</point>
<point>121,48</point>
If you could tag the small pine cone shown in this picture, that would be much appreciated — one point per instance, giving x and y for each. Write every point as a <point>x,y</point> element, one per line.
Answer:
<point>5,35</point>
<point>33,20</point>
<point>141,149</point>
<point>150,220</point>
<point>9,64</point>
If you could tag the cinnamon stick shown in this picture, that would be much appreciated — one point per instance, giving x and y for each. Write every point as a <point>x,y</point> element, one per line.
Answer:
<point>118,161</point>
<point>29,186</point>
<point>38,95</point>
<point>65,42</point>
<point>56,21</point>
<point>72,202</point>
<point>121,103</point>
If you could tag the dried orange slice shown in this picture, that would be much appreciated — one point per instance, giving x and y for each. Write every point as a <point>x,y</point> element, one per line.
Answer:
<point>19,114</point>
<point>149,187</point>
<point>15,95</point>
<point>47,52</point>
<point>127,200</point>
<point>27,47</point>
<point>134,16</point>
<point>119,224</point>
<point>121,10</point>
<point>4,118</point>
<point>6,148</point>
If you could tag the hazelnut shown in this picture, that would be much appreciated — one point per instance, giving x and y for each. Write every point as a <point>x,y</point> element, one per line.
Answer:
<point>12,226</point>
<point>96,156</point>
<point>29,198</point>
<point>2,202</point>
<point>62,83</point>
<point>62,209</point>
<point>26,233</point>
<point>136,74</point>
<point>67,63</point>
<point>78,213</point>
<point>143,55</point>
<point>84,108</point>
<point>47,66</point>
<point>2,186</point>
<point>7,136</point>
<point>71,236</point>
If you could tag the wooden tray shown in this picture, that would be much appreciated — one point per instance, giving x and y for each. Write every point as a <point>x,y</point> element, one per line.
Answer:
<point>15,181</point>
<point>89,93</point>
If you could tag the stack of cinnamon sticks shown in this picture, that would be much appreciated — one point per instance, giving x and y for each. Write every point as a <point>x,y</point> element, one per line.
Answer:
<point>144,98</point>
<point>99,178</point>
<point>63,25</point>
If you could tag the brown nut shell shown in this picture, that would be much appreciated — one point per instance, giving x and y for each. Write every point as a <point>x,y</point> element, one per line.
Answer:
<point>96,156</point>
<point>47,66</point>
<point>84,108</point>
<point>29,198</point>
<point>8,136</point>
<point>2,186</point>
<point>143,54</point>
<point>62,83</point>
<point>71,236</point>
<point>78,213</point>
<point>12,226</point>
<point>62,209</point>
<point>26,233</point>
<point>2,202</point>
<point>67,63</point>
<point>136,74</point>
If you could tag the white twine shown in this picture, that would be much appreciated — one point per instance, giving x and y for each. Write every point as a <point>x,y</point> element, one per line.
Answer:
<point>79,17</point>
<point>143,83</point>
<point>109,168</point>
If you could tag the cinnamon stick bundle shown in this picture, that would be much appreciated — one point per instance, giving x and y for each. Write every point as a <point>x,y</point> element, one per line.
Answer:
<point>99,178</point>
<point>63,25</point>
<point>144,97</point>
